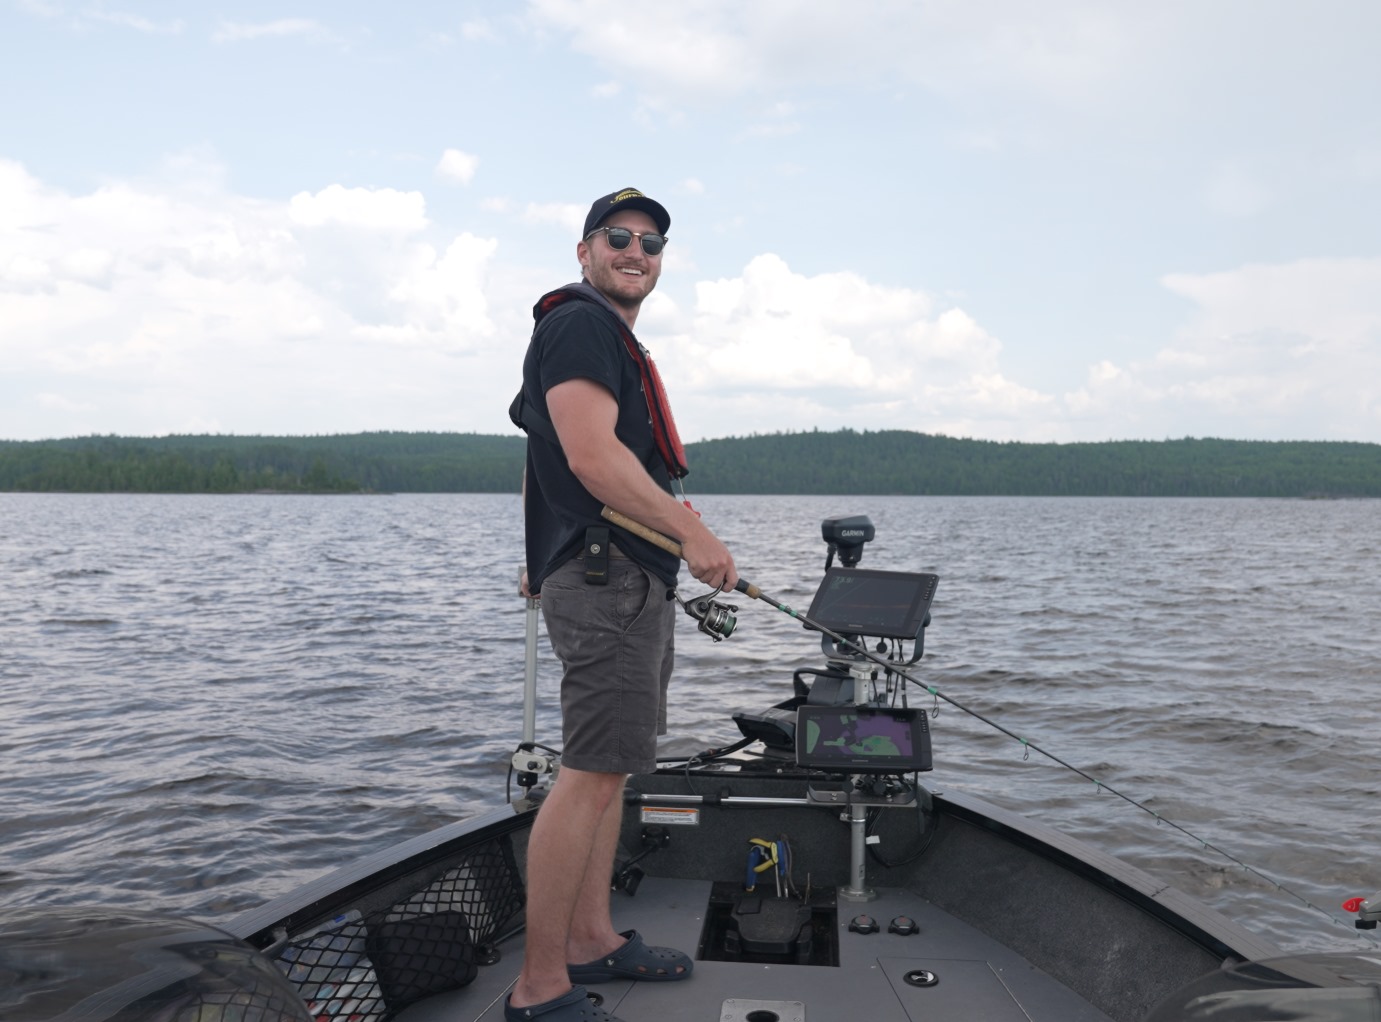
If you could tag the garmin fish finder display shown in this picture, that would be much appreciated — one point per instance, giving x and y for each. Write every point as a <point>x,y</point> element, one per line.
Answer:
<point>862,739</point>
<point>882,604</point>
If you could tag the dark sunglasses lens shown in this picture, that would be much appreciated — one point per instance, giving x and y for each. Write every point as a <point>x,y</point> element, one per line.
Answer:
<point>652,243</point>
<point>618,237</point>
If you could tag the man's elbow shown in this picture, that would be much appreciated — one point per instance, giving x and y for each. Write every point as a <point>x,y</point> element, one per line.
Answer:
<point>590,468</point>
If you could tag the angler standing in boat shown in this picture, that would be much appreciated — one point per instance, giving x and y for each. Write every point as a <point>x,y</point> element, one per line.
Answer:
<point>600,432</point>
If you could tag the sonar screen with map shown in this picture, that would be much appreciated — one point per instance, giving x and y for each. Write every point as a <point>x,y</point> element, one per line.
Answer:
<point>862,738</point>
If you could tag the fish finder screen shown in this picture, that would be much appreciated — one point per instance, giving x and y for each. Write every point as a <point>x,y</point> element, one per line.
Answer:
<point>881,604</point>
<point>862,739</point>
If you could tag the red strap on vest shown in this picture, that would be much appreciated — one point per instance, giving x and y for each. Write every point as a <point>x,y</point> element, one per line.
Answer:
<point>664,432</point>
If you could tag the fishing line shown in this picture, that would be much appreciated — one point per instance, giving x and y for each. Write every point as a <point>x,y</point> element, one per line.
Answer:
<point>1028,746</point>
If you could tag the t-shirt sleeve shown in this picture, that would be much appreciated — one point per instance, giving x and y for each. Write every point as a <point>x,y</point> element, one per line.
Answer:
<point>577,341</point>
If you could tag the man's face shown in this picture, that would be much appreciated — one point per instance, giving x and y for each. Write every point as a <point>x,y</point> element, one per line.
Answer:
<point>624,276</point>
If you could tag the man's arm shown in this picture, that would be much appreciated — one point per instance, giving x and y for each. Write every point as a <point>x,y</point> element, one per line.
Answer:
<point>584,414</point>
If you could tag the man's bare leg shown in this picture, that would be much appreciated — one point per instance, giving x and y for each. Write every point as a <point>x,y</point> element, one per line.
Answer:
<point>592,934</point>
<point>573,822</point>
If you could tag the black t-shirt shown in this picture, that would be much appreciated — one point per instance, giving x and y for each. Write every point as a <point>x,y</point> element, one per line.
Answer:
<point>581,340</point>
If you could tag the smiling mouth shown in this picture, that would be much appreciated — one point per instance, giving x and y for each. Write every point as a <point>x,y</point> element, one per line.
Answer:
<point>628,271</point>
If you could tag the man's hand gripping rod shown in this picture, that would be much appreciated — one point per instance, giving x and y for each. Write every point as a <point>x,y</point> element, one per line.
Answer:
<point>672,547</point>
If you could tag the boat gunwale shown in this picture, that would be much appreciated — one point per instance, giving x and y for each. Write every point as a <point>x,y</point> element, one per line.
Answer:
<point>315,900</point>
<point>1214,931</point>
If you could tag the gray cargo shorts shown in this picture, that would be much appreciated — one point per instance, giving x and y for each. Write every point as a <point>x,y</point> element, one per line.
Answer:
<point>615,642</point>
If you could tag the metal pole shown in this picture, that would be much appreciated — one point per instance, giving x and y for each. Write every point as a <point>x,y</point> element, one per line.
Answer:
<point>530,679</point>
<point>858,889</point>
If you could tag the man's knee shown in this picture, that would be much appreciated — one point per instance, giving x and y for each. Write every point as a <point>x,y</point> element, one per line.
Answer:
<point>592,787</point>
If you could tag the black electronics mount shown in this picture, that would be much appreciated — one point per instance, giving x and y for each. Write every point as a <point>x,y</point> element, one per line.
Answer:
<point>841,722</point>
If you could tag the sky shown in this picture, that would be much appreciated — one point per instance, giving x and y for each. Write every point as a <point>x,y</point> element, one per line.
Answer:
<point>1057,221</point>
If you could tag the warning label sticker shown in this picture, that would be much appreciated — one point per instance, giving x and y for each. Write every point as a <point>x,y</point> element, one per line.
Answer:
<point>673,817</point>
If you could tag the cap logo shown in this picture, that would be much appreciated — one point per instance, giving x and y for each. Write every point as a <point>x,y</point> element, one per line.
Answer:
<point>627,193</point>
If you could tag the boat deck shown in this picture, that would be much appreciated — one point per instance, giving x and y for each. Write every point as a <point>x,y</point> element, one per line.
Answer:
<point>1014,920</point>
<point>976,976</point>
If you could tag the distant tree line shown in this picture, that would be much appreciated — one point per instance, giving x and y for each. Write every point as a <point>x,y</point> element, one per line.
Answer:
<point>353,463</point>
<point>900,462</point>
<point>843,462</point>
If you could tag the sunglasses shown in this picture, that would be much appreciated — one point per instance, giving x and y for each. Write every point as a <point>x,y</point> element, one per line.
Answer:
<point>620,237</point>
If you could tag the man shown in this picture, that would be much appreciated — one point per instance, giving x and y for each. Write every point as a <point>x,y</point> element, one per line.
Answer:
<point>599,433</point>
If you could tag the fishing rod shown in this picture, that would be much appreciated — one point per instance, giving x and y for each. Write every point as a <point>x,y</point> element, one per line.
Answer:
<point>753,592</point>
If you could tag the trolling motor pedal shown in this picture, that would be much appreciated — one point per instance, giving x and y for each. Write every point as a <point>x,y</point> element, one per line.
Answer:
<point>770,926</point>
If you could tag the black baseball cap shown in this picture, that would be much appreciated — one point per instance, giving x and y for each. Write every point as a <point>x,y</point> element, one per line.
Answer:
<point>626,198</point>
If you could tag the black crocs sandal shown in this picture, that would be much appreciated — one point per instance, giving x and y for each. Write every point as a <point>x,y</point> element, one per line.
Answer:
<point>634,960</point>
<point>572,1007</point>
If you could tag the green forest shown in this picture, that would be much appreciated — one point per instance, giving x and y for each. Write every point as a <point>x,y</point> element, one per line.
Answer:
<point>842,462</point>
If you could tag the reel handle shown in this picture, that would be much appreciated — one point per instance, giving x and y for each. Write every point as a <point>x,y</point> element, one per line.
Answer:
<point>666,543</point>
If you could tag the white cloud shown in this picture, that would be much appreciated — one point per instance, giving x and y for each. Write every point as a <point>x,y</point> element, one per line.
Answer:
<point>135,308</point>
<point>703,48</point>
<point>381,209</point>
<point>457,166</point>
<point>1293,342</point>
<point>772,327</point>
<point>1335,301</point>
<point>172,303</point>
<point>774,348</point>
<point>446,295</point>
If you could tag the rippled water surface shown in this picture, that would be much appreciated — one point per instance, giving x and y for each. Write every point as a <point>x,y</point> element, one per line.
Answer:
<point>207,700</point>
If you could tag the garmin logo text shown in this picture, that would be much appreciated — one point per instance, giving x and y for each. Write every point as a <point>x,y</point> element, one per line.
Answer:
<point>850,533</point>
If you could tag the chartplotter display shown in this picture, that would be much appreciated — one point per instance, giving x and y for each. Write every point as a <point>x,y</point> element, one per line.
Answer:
<point>881,604</point>
<point>862,739</point>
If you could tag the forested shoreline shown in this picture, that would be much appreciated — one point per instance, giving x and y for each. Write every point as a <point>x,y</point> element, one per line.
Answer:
<point>841,462</point>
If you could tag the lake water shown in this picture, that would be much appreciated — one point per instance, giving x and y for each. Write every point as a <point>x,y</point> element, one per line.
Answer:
<point>207,700</point>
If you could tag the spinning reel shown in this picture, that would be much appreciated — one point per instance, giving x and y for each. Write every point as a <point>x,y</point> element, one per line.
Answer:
<point>715,619</point>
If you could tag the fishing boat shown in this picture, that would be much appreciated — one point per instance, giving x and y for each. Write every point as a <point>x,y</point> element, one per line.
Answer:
<point>807,868</point>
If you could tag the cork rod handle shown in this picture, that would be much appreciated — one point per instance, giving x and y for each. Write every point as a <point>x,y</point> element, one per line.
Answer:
<point>666,543</point>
